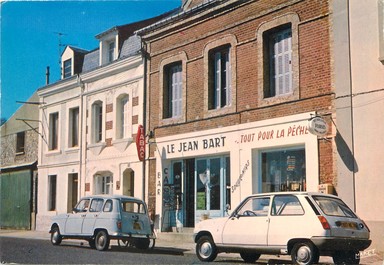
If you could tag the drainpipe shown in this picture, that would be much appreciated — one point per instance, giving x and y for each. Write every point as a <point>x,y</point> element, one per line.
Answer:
<point>144,55</point>
<point>351,104</point>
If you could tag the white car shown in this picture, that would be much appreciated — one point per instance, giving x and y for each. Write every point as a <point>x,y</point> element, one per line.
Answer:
<point>301,224</point>
<point>100,218</point>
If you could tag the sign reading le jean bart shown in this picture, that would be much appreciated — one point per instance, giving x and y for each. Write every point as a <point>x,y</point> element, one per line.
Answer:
<point>196,145</point>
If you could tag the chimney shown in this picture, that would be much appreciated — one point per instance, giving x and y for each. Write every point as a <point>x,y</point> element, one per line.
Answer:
<point>47,76</point>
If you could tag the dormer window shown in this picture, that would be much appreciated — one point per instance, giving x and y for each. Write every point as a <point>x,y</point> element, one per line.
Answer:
<point>67,71</point>
<point>111,51</point>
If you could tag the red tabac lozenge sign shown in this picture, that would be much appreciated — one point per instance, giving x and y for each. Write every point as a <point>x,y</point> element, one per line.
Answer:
<point>140,143</point>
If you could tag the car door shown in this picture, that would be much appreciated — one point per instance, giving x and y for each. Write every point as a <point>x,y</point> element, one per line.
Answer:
<point>74,223</point>
<point>249,223</point>
<point>135,220</point>
<point>91,216</point>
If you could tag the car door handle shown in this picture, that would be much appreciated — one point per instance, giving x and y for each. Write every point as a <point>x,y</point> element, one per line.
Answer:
<point>83,215</point>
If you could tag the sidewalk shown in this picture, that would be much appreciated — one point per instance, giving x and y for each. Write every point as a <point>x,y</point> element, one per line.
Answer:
<point>184,242</point>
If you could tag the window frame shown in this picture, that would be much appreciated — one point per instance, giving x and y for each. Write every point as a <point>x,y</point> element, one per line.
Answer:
<point>290,20</point>
<point>74,127</point>
<point>20,143</point>
<point>54,128</point>
<point>123,117</point>
<point>97,121</point>
<point>52,192</point>
<point>67,68</point>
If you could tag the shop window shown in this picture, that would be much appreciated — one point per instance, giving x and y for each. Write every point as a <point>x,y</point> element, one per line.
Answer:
<point>73,131</point>
<point>20,143</point>
<point>52,193</point>
<point>219,94</point>
<point>283,170</point>
<point>173,91</point>
<point>53,131</point>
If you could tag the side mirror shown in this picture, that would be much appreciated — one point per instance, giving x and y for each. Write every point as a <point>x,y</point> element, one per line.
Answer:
<point>75,210</point>
<point>227,208</point>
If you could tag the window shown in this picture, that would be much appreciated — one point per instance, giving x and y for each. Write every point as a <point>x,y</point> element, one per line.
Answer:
<point>283,170</point>
<point>82,206</point>
<point>20,142</point>
<point>73,133</point>
<point>219,94</point>
<point>111,51</point>
<point>122,117</point>
<point>108,206</point>
<point>173,91</point>
<point>278,44</point>
<point>52,193</point>
<point>333,206</point>
<point>278,60</point>
<point>53,131</point>
<point>132,207</point>
<point>254,207</point>
<point>96,205</point>
<point>103,184</point>
<point>286,205</point>
<point>97,121</point>
<point>67,71</point>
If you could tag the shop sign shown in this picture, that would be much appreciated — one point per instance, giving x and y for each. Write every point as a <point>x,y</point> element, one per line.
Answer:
<point>140,143</point>
<point>318,126</point>
<point>195,145</point>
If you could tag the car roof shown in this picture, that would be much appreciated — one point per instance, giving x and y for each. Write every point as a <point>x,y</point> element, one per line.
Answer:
<point>105,196</point>
<point>293,193</point>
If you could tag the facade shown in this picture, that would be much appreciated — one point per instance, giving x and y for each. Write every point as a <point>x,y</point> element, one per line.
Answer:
<point>358,43</point>
<point>232,86</point>
<point>18,178</point>
<point>90,122</point>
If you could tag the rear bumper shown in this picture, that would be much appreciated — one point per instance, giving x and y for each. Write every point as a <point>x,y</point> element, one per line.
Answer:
<point>331,244</point>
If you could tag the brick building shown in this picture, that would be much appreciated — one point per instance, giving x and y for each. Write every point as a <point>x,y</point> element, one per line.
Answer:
<point>231,88</point>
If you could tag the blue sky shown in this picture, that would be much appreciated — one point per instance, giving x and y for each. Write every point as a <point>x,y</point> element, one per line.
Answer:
<point>30,41</point>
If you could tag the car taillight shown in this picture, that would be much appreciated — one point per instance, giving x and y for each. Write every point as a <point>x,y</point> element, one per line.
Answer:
<point>324,222</point>
<point>119,225</point>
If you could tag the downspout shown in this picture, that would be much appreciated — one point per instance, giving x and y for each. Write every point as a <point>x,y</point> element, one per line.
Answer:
<point>144,56</point>
<point>351,105</point>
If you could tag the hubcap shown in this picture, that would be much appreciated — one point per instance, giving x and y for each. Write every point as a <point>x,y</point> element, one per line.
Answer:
<point>101,240</point>
<point>206,249</point>
<point>303,254</point>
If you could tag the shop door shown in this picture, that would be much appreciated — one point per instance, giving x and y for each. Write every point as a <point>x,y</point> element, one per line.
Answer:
<point>210,193</point>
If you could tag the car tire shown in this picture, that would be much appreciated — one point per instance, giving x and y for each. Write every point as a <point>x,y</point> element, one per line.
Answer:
<point>249,257</point>
<point>347,257</point>
<point>206,249</point>
<point>142,243</point>
<point>56,237</point>
<point>304,253</point>
<point>102,240</point>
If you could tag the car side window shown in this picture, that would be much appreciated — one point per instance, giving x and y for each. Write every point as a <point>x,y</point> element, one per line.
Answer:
<point>108,206</point>
<point>255,207</point>
<point>96,205</point>
<point>286,205</point>
<point>82,206</point>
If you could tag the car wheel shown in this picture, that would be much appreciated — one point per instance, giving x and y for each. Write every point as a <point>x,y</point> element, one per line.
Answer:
<point>249,257</point>
<point>102,240</point>
<point>56,237</point>
<point>206,249</point>
<point>142,243</point>
<point>348,257</point>
<point>304,253</point>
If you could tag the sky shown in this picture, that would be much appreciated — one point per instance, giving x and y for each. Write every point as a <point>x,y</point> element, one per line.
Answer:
<point>34,34</point>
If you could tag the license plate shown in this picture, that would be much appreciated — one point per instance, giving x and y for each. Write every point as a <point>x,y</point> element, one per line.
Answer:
<point>348,225</point>
<point>136,226</point>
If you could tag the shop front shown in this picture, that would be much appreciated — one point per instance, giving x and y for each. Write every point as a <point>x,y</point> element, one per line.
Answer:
<point>205,174</point>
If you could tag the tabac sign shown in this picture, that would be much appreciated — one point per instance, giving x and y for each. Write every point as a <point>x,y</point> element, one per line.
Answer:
<point>140,143</point>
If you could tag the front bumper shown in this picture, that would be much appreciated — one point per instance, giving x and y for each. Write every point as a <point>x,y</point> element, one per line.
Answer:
<point>331,244</point>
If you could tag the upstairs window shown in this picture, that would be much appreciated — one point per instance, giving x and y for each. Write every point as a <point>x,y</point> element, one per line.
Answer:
<point>111,51</point>
<point>173,91</point>
<point>67,71</point>
<point>73,132</point>
<point>278,62</point>
<point>53,131</point>
<point>20,143</point>
<point>97,121</point>
<point>219,94</point>
<point>122,119</point>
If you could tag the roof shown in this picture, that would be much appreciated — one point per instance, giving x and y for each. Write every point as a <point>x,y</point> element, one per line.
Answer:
<point>114,196</point>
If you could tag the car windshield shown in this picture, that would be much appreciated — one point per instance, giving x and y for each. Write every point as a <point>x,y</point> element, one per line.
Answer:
<point>132,207</point>
<point>333,206</point>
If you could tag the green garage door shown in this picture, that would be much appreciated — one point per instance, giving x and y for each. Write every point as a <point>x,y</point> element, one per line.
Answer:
<point>15,203</point>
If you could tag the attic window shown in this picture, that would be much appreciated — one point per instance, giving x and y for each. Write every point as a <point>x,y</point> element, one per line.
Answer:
<point>67,71</point>
<point>111,51</point>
